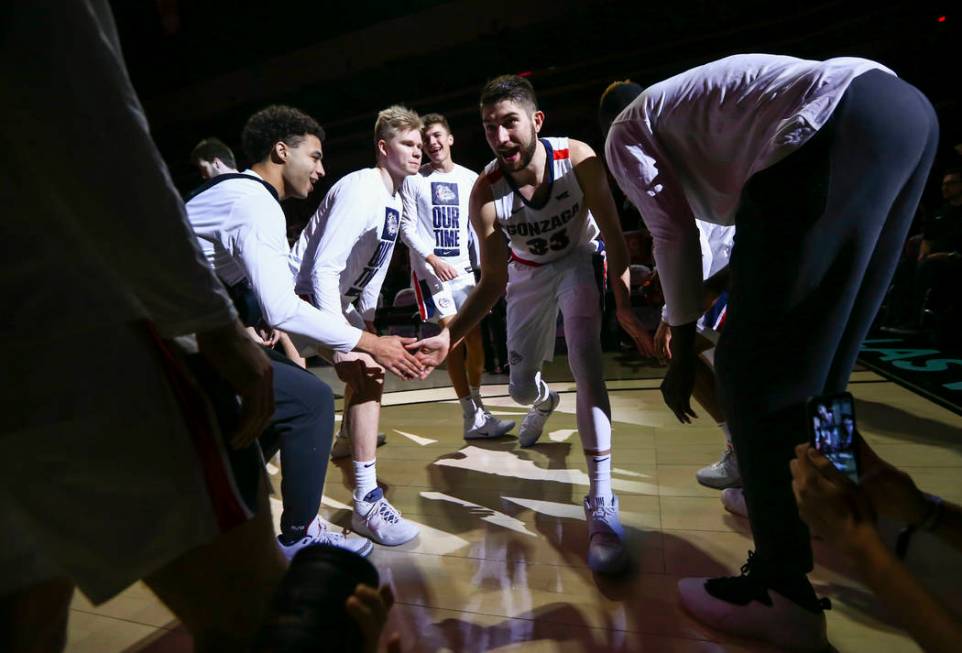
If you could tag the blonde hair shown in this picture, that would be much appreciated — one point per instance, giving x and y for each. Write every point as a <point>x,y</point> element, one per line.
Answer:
<point>393,120</point>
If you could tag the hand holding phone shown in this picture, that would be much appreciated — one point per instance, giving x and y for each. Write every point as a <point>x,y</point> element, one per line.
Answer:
<point>832,431</point>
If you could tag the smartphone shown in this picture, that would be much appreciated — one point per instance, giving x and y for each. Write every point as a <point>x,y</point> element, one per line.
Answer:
<point>831,430</point>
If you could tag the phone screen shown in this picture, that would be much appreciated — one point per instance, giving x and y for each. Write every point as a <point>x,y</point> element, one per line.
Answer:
<point>832,431</point>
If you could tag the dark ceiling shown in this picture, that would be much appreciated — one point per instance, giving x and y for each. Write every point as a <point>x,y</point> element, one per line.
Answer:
<point>202,67</point>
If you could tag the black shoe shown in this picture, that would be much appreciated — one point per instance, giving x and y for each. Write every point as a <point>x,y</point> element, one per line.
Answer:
<point>749,606</point>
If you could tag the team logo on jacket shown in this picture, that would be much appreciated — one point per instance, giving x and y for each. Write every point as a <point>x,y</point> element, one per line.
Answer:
<point>444,193</point>
<point>391,221</point>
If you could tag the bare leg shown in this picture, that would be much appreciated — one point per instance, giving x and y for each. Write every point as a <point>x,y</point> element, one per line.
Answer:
<point>475,362</point>
<point>456,366</point>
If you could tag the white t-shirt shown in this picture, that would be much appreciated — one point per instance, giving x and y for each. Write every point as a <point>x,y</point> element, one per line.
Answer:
<point>245,233</point>
<point>344,251</point>
<point>435,217</point>
<point>686,146</point>
<point>558,225</point>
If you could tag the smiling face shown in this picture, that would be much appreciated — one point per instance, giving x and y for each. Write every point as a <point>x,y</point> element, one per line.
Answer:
<point>511,130</point>
<point>401,152</point>
<point>437,144</point>
<point>302,165</point>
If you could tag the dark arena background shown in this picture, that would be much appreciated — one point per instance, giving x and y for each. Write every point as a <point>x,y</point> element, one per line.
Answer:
<point>499,564</point>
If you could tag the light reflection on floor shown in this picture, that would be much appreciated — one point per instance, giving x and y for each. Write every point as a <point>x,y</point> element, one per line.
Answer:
<point>499,565</point>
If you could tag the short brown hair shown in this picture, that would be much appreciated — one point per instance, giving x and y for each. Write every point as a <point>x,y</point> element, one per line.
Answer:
<point>509,87</point>
<point>435,119</point>
<point>212,148</point>
<point>395,119</point>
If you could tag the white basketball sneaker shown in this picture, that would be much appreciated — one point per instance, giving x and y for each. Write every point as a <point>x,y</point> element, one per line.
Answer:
<point>606,546</point>
<point>722,474</point>
<point>533,423</point>
<point>342,445</point>
<point>319,533</point>
<point>733,499</point>
<point>376,518</point>
<point>483,425</point>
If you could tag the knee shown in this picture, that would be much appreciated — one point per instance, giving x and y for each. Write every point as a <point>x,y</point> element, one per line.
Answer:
<point>523,387</point>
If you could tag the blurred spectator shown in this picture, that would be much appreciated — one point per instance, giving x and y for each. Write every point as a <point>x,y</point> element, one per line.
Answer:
<point>845,514</point>
<point>212,157</point>
<point>118,473</point>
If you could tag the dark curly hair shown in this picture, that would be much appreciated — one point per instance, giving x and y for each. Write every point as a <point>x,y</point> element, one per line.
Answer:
<point>509,87</point>
<point>276,123</point>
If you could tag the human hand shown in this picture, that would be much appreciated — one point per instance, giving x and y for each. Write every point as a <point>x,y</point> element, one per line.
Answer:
<point>830,503</point>
<point>392,353</point>
<point>891,491</point>
<point>663,342</point>
<point>248,370</point>
<point>269,336</point>
<point>634,328</point>
<point>255,335</point>
<point>432,351</point>
<point>369,608</point>
<point>443,270</point>
<point>678,384</point>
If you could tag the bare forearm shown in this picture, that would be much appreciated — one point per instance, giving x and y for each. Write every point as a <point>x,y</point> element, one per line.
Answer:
<point>927,620</point>
<point>618,273</point>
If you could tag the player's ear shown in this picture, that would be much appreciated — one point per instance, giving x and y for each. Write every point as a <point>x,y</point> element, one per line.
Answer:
<point>538,119</point>
<point>381,147</point>
<point>280,152</point>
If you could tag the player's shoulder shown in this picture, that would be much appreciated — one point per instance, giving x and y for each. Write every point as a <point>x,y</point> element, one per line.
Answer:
<point>569,148</point>
<point>466,174</point>
<point>358,182</point>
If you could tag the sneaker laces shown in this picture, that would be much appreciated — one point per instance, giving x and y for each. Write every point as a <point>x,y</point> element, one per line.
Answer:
<point>741,589</point>
<point>388,513</point>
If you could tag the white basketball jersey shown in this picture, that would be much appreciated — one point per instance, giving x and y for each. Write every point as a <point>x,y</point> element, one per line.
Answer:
<point>545,232</point>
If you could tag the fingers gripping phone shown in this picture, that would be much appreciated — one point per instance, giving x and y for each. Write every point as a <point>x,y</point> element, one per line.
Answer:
<point>831,430</point>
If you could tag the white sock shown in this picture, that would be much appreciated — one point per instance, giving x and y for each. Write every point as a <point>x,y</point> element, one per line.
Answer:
<point>728,434</point>
<point>476,395</point>
<point>365,478</point>
<point>599,475</point>
<point>468,406</point>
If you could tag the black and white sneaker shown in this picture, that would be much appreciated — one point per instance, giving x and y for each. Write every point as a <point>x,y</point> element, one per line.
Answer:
<point>747,606</point>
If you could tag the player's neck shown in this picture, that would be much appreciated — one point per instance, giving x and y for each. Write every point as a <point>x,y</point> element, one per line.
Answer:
<point>445,166</point>
<point>272,175</point>
<point>391,182</point>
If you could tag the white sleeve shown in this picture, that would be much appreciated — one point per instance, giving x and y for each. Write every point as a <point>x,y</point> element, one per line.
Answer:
<point>72,97</point>
<point>327,251</point>
<point>651,185</point>
<point>261,245</point>
<point>410,220</point>
<point>367,302</point>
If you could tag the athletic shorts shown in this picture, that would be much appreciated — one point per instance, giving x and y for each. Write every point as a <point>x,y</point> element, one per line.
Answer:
<point>440,299</point>
<point>104,483</point>
<point>533,300</point>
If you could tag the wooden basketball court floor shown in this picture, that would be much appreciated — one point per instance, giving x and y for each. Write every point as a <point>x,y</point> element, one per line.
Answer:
<point>500,561</point>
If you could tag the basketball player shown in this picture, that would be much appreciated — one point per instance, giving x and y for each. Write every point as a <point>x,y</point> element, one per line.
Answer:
<point>435,227</point>
<point>820,166</point>
<point>545,194</point>
<point>341,260</point>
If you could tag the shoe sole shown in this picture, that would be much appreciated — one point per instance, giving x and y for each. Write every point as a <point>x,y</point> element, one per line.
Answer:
<point>718,486</point>
<point>724,617</point>
<point>500,433</point>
